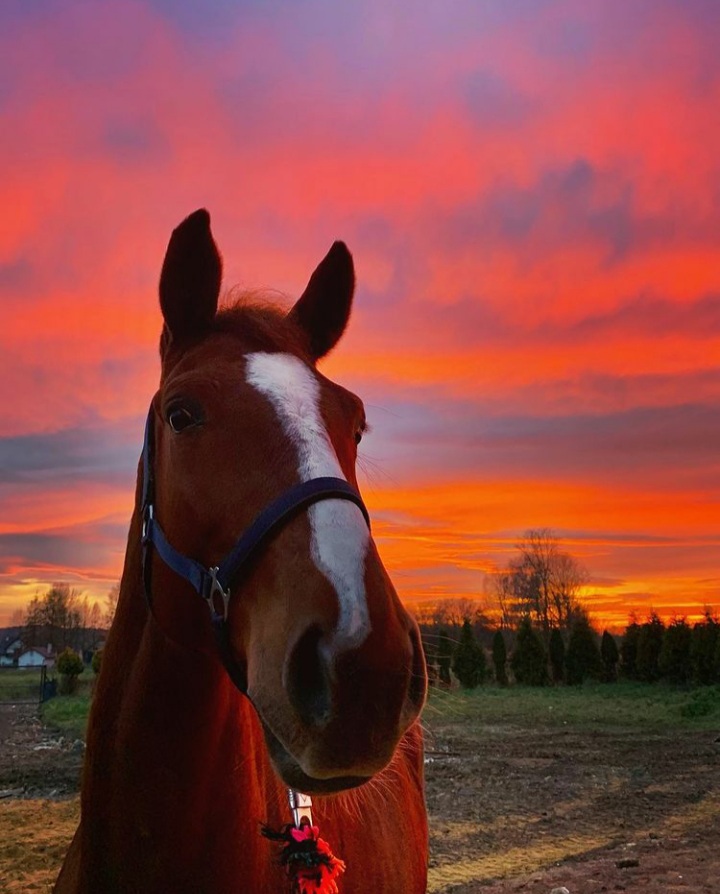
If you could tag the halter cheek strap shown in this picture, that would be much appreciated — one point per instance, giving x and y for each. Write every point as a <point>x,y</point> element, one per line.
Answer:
<point>215,584</point>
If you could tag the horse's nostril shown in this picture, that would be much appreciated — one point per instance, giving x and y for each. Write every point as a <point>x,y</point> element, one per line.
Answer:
<point>306,679</point>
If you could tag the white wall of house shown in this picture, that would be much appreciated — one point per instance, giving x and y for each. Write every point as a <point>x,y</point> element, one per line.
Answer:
<point>31,658</point>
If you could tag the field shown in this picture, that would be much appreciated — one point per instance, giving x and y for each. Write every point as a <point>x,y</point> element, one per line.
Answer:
<point>20,684</point>
<point>609,788</point>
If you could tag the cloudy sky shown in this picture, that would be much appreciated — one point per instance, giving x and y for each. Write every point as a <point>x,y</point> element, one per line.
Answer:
<point>531,191</point>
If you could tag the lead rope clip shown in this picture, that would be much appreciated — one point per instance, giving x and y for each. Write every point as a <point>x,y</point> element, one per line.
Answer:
<point>300,807</point>
<point>310,864</point>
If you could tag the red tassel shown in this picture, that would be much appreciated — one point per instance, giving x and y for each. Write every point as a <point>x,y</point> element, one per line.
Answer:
<point>311,865</point>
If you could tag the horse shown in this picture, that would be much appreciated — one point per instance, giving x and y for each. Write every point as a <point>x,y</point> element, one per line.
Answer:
<point>306,676</point>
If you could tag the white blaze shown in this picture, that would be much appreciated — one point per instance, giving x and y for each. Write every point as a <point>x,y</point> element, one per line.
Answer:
<point>339,535</point>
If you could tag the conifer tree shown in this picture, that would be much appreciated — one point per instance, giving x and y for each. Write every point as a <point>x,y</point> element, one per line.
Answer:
<point>610,656</point>
<point>582,659</point>
<point>469,664</point>
<point>557,655</point>
<point>716,662</point>
<point>649,645</point>
<point>703,642</point>
<point>444,656</point>
<point>500,658</point>
<point>674,662</point>
<point>529,661</point>
<point>628,650</point>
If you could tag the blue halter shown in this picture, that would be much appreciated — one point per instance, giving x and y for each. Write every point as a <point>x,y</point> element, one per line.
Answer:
<point>215,584</point>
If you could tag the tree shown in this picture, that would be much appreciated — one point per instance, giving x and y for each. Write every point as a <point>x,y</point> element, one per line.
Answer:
<point>628,649</point>
<point>529,661</point>
<point>674,662</point>
<point>469,664</point>
<point>703,642</point>
<point>111,601</point>
<point>499,653</point>
<point>716,660</point>
<point>557,655</point>
<point>610,657</point>
<point>582,659</point>
<point>96,661</point>
<point>444,656</point>
<point>70,666</point>
<point>649,645</point>
<point>503,585</point>
<point>54,619</point>
<point>543,581</point>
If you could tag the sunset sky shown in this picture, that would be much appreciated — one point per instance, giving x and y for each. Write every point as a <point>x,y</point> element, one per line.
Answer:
<point>531,191</point>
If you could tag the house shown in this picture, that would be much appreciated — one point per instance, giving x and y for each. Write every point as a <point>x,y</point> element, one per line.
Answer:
<point>37,656</point>
<point>10,646</point>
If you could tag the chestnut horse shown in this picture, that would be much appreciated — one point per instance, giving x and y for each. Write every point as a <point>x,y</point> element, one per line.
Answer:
<point>307,673</point>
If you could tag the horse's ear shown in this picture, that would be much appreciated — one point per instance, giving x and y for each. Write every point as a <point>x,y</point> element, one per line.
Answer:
<point>190,279</point>
<point>323,309</point>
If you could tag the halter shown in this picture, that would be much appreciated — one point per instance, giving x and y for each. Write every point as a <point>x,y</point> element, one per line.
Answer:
<point>215,584</point>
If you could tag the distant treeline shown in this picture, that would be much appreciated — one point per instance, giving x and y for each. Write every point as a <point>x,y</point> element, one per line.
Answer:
<point>473,653</point>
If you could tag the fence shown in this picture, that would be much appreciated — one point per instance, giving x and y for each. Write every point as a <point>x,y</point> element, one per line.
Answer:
<point>26,685</point>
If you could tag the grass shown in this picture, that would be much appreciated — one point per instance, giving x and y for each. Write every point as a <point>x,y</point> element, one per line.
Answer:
<point>19,683</point>
<point>23,683</point>
<point>68,714</point>
<point>592,706</point>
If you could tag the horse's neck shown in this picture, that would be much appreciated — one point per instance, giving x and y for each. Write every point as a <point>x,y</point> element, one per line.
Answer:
<point>172,746</point>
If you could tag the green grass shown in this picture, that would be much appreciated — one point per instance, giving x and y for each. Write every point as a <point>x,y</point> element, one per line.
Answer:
<point>593,706</point>
<point>68,714</point>
<point>19,683</point>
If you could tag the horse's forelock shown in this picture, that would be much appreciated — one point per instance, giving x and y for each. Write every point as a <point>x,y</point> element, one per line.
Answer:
<point>261,322</point>
<point>257,319</point>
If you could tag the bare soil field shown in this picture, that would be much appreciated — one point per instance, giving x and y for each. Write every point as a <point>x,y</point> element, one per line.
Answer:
<point>588,810</point>
<point>511,808</point>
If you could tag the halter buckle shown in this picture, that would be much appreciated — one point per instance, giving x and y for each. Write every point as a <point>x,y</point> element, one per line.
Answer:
<point>215,589</point>
<point>148,516</point>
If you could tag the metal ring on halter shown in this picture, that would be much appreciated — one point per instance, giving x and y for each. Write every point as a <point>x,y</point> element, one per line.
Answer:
<point>148,516</point>
<point>216,589</point>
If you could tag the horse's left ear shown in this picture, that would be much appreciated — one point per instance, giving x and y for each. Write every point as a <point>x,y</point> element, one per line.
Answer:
<point>323,309</point>
<point>190,279</point>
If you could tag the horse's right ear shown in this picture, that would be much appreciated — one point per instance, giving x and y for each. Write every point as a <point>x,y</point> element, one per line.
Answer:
<point>190,279</point>
<point>323,309</point>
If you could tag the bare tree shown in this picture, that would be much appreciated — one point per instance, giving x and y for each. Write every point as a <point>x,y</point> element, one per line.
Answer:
<point>111,601</point>
<point>95,620</point>
<point>54,619</point>
<point>542,581</point>
<point>503,587</point>
<point>17,618</point>
<point>454,611</point>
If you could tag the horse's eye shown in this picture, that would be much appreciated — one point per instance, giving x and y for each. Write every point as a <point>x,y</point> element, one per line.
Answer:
<point>180,418</point>
<point>358,436</point>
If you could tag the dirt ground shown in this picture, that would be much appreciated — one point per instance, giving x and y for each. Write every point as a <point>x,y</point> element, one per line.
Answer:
<point>535,810</point>
<point>517,810</point>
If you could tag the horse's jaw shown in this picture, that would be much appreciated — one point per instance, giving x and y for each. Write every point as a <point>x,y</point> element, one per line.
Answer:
<point>292,774</point>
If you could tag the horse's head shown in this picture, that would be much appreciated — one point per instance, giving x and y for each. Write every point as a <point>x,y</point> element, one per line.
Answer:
<point>333,661</point>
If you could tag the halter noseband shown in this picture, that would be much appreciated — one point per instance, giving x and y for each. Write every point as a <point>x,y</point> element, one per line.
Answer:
<point>215,584</point>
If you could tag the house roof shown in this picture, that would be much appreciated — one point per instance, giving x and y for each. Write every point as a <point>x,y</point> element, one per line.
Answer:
<point>8,637</point>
